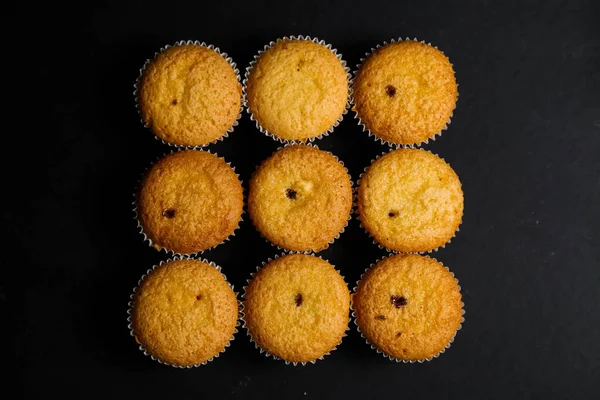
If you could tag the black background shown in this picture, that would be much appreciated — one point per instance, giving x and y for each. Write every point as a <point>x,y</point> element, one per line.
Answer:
<point>525,141</point>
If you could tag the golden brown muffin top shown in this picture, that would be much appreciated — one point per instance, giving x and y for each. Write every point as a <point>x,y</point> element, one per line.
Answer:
<point>300,198</point>
<point>184,313</point>
<point>296,308</point>
<point>408,306</point>
<point>410,200</point>
<point>297,89</point>
<point>189,95</point>
<point>405,92</point>
<point>189,201</point>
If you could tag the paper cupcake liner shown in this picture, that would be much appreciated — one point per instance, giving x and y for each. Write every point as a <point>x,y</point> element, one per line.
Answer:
<point>352,207</point>
<point>375,242</point>
<point>243,315</point>
<point>197,43</point>
<point>384,354</point>
<point>132,301</point>
<point>140,228</point>
<point>373,135</point>
<point>253,63</point>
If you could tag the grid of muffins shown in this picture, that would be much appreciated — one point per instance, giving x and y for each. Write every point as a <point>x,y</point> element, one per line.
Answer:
<point>296,307</point>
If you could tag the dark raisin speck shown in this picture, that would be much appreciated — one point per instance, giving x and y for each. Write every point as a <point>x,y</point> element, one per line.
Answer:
<point>168,213</point>
<point>398,301</point>
<point>380,317</point>
<point>290,194</point>
<point>390,90</point>
<point>298,299</point>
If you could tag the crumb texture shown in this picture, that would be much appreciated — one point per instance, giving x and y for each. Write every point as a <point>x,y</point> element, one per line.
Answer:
<point>189,95</point>
<point>300,198</point>
<point>190,201</point>
<point>297,89</point>
<point>430,313</point>
<point>184,312</point>
<point>297,307</point>
<point>405,92</point>
<point>410,200</point>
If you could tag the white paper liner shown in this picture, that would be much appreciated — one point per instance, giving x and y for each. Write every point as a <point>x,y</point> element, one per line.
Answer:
<point>197,43</point>
<point>146,238</point>
<point>373,135</point>
<point>132,301</point>
<point>375,242</point>
<point>379,351</point>
<point>243,315</point>
<point>251,66</point>
<point>352,207</point>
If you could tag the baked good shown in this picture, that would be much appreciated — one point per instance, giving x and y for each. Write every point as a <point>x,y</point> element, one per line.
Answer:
<point>184,312</point>
<point>410,200</point>
<point>296,308</point>
<point>189,201</point>
<point>297,90</point>
<point>300,198</point>
<point>189,95</point>
<point>409,307</point>
<point>405,92</point>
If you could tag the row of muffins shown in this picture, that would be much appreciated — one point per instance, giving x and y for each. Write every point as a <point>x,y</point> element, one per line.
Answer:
<point>296,307</point>
<point>300,198</point>
<point>297,90</point>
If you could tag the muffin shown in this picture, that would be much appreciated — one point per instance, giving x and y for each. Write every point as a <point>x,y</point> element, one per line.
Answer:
<point>184,313</point>
<point>296,308</point>
<point>189,95</point>
<point>297,89</point>
<point>408,307</point>
<point>410,200</point>
<point>405,92</point>
<point>189,201</point>
<point>300,198</point>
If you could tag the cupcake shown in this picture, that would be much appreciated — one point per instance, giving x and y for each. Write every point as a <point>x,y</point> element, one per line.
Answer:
<point>189,201</point>
<point>296,89</point>
<point>410,200</point>
<point>405,92</point>
<point>300,198</point>
<point>408,307</point>
<point>296,308</point>
<point>184,313</point>
<point>189,95</point>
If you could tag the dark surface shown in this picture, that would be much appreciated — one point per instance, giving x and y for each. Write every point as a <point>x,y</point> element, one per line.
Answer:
<point>525,141</point>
